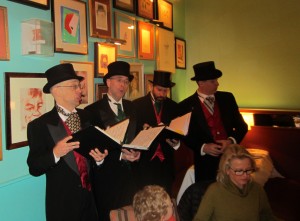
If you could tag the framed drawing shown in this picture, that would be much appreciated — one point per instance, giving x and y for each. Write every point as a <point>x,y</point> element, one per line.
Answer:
<point>100,18</point>
<point>25,101</point>
<point>4,39</point>
<point>180,53</point>
<point>126,5</point>
<point>148,85</point>
<point>104,55</point>
<point>101,90</point>
<point>165,49</point>
<point>42,4</point>
<point>125,29</point>
<point>145,9</point>
<point>136,86</point>
<point>146,40</point>
<point>165,13</point>
<point>86,70</point>
<point>69,19</point>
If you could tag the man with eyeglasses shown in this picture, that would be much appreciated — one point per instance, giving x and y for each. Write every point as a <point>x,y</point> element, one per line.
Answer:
<point>68,177</point>
<point>114,180</point>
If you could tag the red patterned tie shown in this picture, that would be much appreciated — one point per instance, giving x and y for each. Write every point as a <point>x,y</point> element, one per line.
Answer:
<point>73,125</point>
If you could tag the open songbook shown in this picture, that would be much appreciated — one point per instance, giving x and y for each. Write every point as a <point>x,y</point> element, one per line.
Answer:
<point>114,136</point>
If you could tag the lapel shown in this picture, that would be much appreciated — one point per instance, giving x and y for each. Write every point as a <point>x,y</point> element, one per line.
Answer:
<point>58,132</point>
<point>129,111</point>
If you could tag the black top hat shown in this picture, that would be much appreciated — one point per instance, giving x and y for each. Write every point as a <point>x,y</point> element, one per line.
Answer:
<point>162,78</point>
<point>205,71</point>
<point>59,73</point>
<point>118,68</point>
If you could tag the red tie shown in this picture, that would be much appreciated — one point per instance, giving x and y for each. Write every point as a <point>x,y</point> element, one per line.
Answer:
<point>158,152</point>
<point>81,164</point>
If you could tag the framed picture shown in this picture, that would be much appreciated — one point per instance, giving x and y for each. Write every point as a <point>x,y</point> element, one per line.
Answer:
<point>165,13</point>
<point>86,70</point>
<point>136,86</point>
<point>165,49</point>
<point>145,9</point>
<point>0,135</point>
<point>146,40</point>
<point>125,29</point>
<point>104,55</point>
<point>4,39</point>
<point>101,90</point>
<point>69,19</point>
<point>100,18</point>
<point>180,53</point>
<point>25,101</point>
<point>42,4</point>
<point>148,85</point>
<point>126,5</point>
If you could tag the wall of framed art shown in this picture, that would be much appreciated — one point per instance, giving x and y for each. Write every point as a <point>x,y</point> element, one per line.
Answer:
<point>14,176</point>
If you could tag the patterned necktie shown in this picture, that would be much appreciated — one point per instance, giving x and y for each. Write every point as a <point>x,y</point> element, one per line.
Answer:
<point>209,103</point>
<point>121,115</point>
<point>73,123</point>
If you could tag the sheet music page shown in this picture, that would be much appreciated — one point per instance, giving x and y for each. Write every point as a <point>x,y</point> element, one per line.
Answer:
<point>145,137</point>
<point>181,124</point>
<point>118,131</point>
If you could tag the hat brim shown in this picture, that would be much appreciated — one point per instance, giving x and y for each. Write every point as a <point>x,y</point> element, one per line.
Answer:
<point>168,85</point>
<point>47,87</point>
<point>109,75</point>
<point>214,75</point>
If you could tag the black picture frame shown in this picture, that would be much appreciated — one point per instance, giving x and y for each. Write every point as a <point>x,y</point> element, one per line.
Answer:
<point>42,4</point>
<point>125,7</point>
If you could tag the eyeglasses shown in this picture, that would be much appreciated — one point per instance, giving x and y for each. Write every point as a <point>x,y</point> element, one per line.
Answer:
<point>241,172</point>
<point>74,87</point>
<point>120,80</point>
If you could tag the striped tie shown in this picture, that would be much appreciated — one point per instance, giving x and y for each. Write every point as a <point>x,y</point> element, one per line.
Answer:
<point>209,103</point>
<point>121,115</point>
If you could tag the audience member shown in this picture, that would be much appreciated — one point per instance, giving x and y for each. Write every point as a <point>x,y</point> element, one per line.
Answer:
<point>235,196</point>
<point>215,122</point>
<point>68,186</point>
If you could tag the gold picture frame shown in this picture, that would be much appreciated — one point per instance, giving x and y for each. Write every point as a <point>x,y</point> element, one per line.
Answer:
<point>104,55</point>
<point>4,39</point>
<point>146,40</point>
<point>136,86</point>
<point>165,13</point>
<point>69,19</point>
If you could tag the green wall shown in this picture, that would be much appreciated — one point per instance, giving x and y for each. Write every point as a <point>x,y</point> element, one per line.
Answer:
<point>22,197</point>
<point>254,42</point>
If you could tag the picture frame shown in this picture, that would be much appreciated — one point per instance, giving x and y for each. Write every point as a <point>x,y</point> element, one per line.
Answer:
<point>4,39</point>
<point>146,40</point>
<point>165,50</point>
<point>42,4</point>
<point>104,55</point>
<point>25,101</point>
<point>125,5</point>
<point>148,85</point>
<point>180,53</point>
<point>125,27</point>
<point>86,70</point>
<point>69,18</point>
<point>101,90</point>
<point>145,9</point>
<point>100,18</point>
<point>0,135</point>
<point>165,13</point>
<point>136,86</point>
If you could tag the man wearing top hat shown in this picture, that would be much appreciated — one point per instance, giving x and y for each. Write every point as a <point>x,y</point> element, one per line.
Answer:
<point>114,183</point>
<point>215,121</point>
<point>68,186</point>
<point>156,165</point>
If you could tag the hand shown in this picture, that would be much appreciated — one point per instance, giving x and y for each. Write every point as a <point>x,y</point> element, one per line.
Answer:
<point>130,155</point>
<point>213,149</point>
<point>62,147</point>
<point>146,126</point>
<point>97,155</point>
<point>224,143</point>
<point>172,142</point>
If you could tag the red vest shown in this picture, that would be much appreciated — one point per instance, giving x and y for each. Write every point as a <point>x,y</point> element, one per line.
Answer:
<point>215,122</point>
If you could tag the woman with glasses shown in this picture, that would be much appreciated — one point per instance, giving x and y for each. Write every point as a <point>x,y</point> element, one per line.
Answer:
<point>235,196</point>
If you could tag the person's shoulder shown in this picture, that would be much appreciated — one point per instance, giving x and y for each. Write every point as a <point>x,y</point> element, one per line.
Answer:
<point>94,105</point>
<point>224,93</point>
<point>140,99</point>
